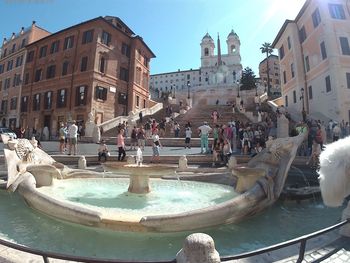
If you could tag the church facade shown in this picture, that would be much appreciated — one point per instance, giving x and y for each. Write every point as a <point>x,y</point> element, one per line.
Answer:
<point>217,72</point>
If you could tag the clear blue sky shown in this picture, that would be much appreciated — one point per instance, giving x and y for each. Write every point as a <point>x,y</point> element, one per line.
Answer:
<point>173,29</point>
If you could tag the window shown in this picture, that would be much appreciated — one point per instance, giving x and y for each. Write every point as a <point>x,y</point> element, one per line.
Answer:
<point>23,42</point>
<point>286,100</point>
<point>48,100</point>
<point>145,61</point>
<point>83,65</point>
<point>42,52</point>
<point>316,18</point>
<point>206,52</point>
<point>55,47</point>
<point>50,71</point>
<point>26,79</point>
<point>19,61</point>
<point>145,80</point>
<point>292,70</point>
<point>284,77</point>
<point>4,106</point>
<point>106,38</point>
<point>9,65</point>
<point>137,101</point>
<point>16,80</point>
<point>294,96</point>
<point>328,84</point>
<point>138,75</point>
<point>24,104</point>
<point>348,80</point>
<point>88,36</point>
<point>336,11</point>
<point>126,50</point>
<point>302,34</point>
<point>68,42</point>
<point>80,97</point>
<point>7,83</point>
<point>30,56</point>
<point>101,93</point>
<point>0,85</point>
<point>307,64</point>
<point>102,64</point>
<point>13,103</point>
<point>13,48</point>
<point>323,50</point>
<point>61,98</point>
<point>345,49</point>
<point>2,68</point>
<point>36,102</point>
<point>289,44</point>
<point>310,92</point>
<point>38,75</point>
<point>281,52</point>
<point>124,74</point>
<point>65,66</point>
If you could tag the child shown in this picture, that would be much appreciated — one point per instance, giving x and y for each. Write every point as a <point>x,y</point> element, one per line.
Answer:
<point>102,151</point>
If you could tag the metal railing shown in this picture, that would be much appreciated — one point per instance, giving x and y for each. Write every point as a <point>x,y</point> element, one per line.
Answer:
<point>302,240</point>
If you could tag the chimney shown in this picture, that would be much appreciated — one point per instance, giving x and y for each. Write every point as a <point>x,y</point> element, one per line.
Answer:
<point>5,41</point>
<point>33,23</point>
<point>22,30</point>
<point>13,35</point>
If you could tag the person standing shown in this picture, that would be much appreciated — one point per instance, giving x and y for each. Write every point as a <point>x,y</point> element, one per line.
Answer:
<point>204,133</point>
<point>140,116</point>
<point>62,136</point>
<point>121,145</point>
<point>141,138</point>
<point>155,147</point>
<point>73,138</point>
<point>188,135</point>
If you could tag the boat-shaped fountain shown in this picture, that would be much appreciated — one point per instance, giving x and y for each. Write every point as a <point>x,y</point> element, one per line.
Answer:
<point>40,180</point>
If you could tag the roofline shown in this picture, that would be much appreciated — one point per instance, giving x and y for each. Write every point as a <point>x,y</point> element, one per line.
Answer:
<point>143,42</point>
<point>181,71</point>
<point>284,26</point>
<point>121,21</point>
<point>271,55</point>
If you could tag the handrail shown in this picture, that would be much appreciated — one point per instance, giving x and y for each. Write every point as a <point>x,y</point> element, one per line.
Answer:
<point>302,240</point>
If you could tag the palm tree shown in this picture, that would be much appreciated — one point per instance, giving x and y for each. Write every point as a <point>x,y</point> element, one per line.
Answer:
<point>267,48</point>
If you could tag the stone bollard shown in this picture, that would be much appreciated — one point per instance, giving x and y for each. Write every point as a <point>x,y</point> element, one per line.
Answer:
<point>82,162</point>
<point>131,159</point>
<point>232,162</point>
<point>183,162</point>
<point>198,248</point>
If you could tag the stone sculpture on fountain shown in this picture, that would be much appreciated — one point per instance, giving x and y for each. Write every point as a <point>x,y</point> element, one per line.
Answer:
<point>335,177</point>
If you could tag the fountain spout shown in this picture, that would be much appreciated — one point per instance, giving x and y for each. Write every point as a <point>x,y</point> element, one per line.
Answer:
<point>139,157</point>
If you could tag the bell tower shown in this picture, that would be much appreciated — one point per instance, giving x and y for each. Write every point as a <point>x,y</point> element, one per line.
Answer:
<point>207,50</point>
<point>233,44</point>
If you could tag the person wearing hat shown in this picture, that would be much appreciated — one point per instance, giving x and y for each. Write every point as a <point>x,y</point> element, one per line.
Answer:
<point>204,131</point>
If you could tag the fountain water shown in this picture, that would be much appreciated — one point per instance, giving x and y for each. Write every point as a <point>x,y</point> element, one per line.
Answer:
<point>38,171</point>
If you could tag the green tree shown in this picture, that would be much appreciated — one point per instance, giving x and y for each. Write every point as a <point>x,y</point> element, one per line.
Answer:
<point>248,81</point>
<point>267,49</point>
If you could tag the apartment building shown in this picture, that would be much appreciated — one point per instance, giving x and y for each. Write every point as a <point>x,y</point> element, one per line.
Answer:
<point>98,66</point>
<point>274,74</point>
<point>12,57</point>
<point>314,55</point>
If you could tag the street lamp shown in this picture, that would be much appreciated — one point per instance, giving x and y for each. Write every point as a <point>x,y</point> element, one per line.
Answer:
<point>265,84</point>
<point>238,87</point>
<point>188,89</point>
<point>303,104</point>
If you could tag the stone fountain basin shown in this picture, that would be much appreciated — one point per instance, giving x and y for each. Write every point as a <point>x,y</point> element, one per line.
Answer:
<point>226,212</point>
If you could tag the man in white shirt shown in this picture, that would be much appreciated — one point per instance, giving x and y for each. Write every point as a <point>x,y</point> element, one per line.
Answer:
<point>73,137</point>
<point>204,134</point>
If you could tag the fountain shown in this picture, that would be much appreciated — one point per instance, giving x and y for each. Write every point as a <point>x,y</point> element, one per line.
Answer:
<point>36,174</point>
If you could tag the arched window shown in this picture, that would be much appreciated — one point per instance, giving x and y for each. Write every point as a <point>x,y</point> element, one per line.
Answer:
<point>233,48</point>
<point>102,65</point>
<point>206,52</point>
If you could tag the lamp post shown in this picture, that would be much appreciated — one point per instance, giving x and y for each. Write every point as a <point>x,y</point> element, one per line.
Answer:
<point>303,112</point>
<point>238,87</point>
<point>188,89</point>
<point>171,90</point>
<point>265,84</point>
<point>174,92</point>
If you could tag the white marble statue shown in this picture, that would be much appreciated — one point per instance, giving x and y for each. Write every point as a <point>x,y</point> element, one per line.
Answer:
<point>90,125</point>
<point>335,176</point>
